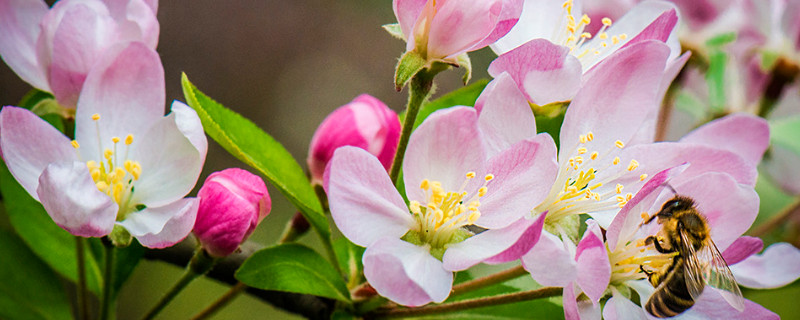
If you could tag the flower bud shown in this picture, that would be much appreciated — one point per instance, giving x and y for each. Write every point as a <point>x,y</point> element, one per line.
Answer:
<point>232,203</point>
<point>365,122</point>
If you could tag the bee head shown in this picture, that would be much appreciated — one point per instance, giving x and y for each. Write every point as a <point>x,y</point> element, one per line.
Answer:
<point>674,205</point>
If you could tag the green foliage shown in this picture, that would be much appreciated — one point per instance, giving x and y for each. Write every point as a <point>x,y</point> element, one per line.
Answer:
<point>348,255</point>
<point>394,30</point>
<point>29,290</point>
<point>721,39</point>
<point>785,132</point>
<point>248,143</point>
<point>293,268</point>
<point>715,78</point>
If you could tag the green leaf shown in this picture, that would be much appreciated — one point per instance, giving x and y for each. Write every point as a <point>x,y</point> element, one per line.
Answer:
<point>36,97</point>
<point>465,96</point>
<point>248,143</point>
<point>29,290</point>
<point>55,246</point>
<point>293,268</point>
<point>785,132</point>
<point>721,39</point>
<point>349,257</point>
<point>410,63</point>
<point>716,80</point>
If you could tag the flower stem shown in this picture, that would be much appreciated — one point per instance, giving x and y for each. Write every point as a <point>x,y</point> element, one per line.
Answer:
<point>776,220</point>
<point>221,302</point>
<point>80,250</point>
<point>200,264</point>
<point>499,277</point>
<point>467,304</point>
<point>108,272</point>
<point>419,90</point>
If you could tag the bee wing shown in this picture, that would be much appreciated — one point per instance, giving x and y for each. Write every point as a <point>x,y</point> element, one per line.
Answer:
<point>719,276</point>
<point>694,268</point>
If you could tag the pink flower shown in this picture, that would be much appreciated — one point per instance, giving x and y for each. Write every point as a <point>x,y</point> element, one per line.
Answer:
<point>549,55</point>
<point>729,207</point>
<point>365,122</point>
<point>129,165</point>
<point>441,30</point>
<point>463,167</point>
<point>54,49</point>
<point>232,203</point>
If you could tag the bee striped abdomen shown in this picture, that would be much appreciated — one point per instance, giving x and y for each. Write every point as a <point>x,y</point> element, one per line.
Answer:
<point>672,296</point>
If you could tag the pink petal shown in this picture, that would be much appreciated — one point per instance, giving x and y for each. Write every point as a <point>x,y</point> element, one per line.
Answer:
<point>507,20</point>
<point>627,220</point>
<point>571,311</point>
<point>647,132</point>
<point>444,148</point>
<point>524,243</point>
<point>364,204</point>
<point>504,116</point>
<point>29,144</point>
<point>137,20</point>
<point>539,19</point>
<point>729,207</point>
<point>126,88</point>
<point>405,273</point>
<point>550,262</point>
<point>170,162</point>
<point>616,96</point>
<point>703,158</point>
<point>79,38</point>
<point>19,25</point>
<point>593,268</point>
<point>162,227</point>
<point>407,13</point>
<point>71,198</point>
<point>546,72</point>
<point>662,17</point>
<point>505,244</point>
<point>457,26</point>
<point>778,266</point>
<point>189,124</point>
<point>712,305</point>
<point>742,248</point>
<point>523,175</point>
<point>620,308</point>
<point>743,134</point>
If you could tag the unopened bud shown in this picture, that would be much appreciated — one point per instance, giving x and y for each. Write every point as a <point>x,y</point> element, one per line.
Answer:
<point>365,122</point>
<point>232,203</point>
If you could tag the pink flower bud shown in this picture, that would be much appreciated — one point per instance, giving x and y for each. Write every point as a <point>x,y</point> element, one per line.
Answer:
<point>365,122</point>
<point>232,203</point>
<point>442,30</point>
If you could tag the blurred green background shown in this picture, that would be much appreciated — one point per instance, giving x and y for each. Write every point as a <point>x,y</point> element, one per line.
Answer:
<point>285,65</point>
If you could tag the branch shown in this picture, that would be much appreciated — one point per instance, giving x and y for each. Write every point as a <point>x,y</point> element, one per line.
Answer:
<point>309,306</point>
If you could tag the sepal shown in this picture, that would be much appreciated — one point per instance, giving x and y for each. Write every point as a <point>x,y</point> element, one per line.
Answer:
<point>410,64</point>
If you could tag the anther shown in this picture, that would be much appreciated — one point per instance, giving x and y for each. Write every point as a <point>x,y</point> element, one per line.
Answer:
<point>589,136</point>
<point>603,36</point>
<point>114,139</point>
<point>594,155</point>
<point>470,175</point>
<point>582,150</point>
<point>618,189</point>
<point>482,191</point>
<point>489,177</point>
<point>425,184</point>
<point>606,21</point>
<point>96,117</point>
<point>616,160</point>
<point>108,154</point>
<point>633,165</point>
<point>642,177</point>
<point>129,139</point>
<point>75,144</point>
<point>619,144</point>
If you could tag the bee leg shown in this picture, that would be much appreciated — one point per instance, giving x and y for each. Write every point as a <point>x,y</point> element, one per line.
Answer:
<point>651,276</point>
<point>654,241</point>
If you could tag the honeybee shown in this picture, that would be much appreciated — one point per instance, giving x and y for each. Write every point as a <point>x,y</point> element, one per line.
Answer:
<point>697,261</point>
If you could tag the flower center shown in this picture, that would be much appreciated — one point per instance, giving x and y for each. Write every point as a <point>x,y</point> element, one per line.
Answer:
<point>573,36</point>
<point>114,175</point>
<point>446,212</point>
<point>577,189</point>
<point>628,261</point>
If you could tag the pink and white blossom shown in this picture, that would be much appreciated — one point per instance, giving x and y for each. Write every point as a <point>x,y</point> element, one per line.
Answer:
<point>441,30</point>
<point>232,204</point>
<point>365,122</point>
<point>53,49</point>
<point>463,166</point>
<point>128,166</point>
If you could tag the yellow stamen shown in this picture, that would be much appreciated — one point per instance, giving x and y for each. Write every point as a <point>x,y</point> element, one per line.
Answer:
<point>603,36</point>
<point>633,165</point>
<point>594,155</point>
<point>618,189</point>
<point>470,175</point>
<point>96,117</point>
<point>489,177</point>
<point>616,160</point>
<point>425,184</point>
<point>582,150</point>
<point>619,144</point>
<point>606,21</point>
<point>642,177</point>
<point>75,144</point>
<point>114,139</point>
<point>129,139</point>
